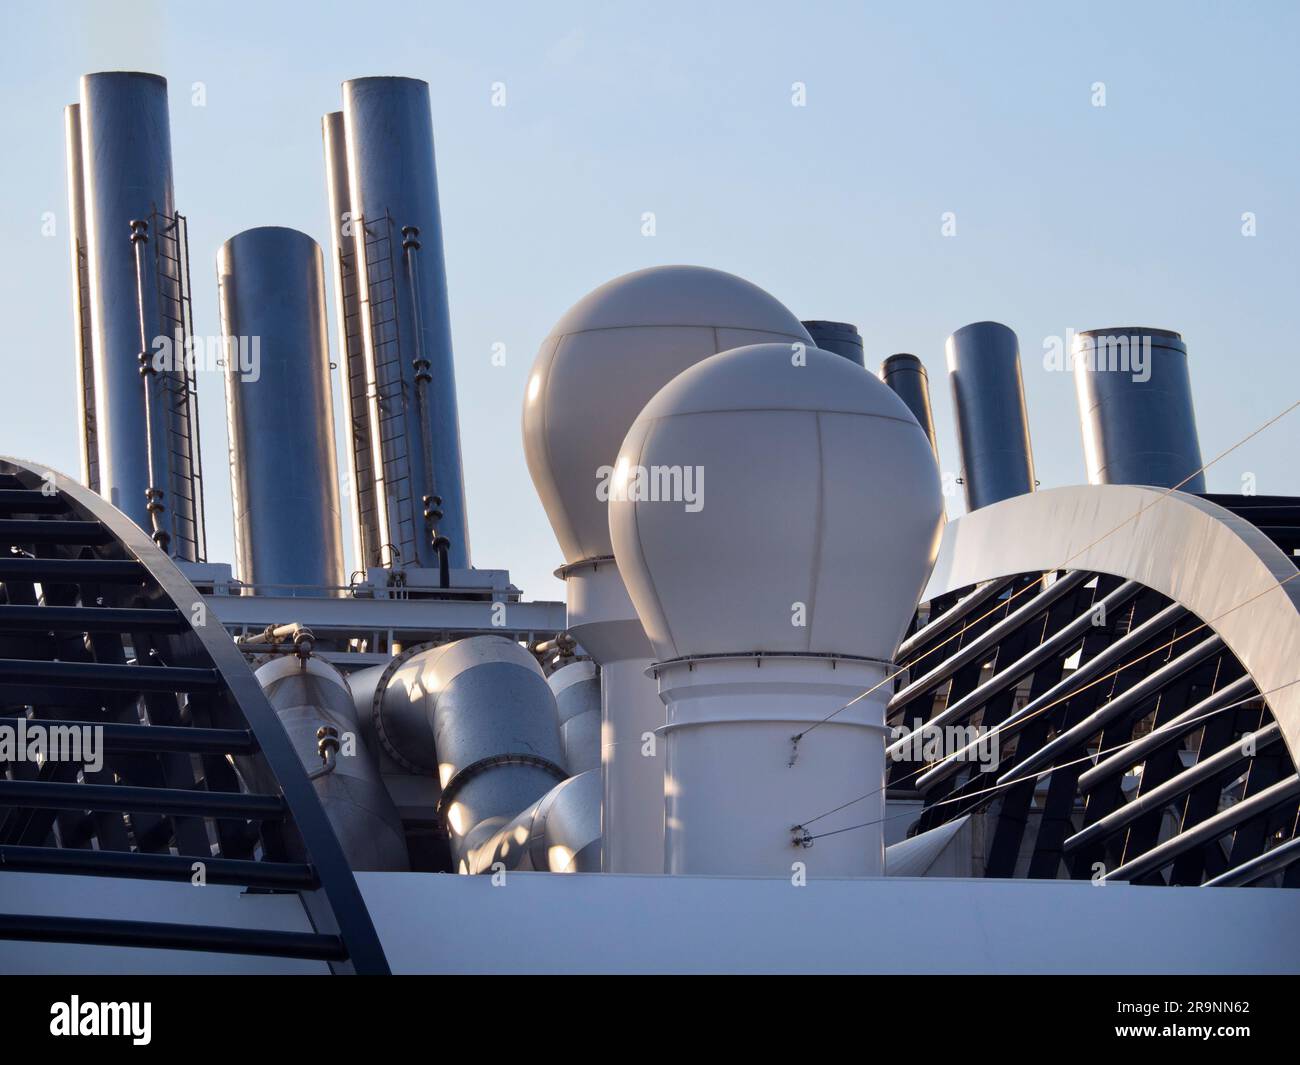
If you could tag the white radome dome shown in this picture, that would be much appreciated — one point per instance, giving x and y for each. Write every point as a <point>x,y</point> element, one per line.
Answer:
<point>818,500</point>
<point>605,358</point>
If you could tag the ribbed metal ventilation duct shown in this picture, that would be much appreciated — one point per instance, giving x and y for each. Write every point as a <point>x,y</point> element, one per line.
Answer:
<point>577,700</point>
<point>308,695</point>
<point>1135,408</point>
<point>478,714</point>
<point>992,423</point>
<point>284,486</point>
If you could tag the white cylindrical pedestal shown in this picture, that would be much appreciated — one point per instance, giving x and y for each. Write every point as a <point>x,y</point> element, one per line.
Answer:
<point>602,619</point>
<point>632,715</point>
<point>732,795</point>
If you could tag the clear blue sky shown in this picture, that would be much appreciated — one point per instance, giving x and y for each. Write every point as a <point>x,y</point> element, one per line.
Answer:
<point>1068,215</point>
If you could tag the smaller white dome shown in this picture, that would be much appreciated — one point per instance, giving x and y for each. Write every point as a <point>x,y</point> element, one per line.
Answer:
<point>764,502</point>
<point>605,358</point>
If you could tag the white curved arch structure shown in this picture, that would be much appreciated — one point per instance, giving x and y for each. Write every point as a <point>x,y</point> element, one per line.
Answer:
<point>1213,563</point>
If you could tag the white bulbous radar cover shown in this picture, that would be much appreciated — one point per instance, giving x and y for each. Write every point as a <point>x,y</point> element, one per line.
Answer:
<point>813,516</point>
<point>605,358</point>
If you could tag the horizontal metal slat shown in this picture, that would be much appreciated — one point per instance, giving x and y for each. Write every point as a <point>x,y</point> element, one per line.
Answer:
<point>105,676</point>
<point>144,866</point>
<point>56,795</point>
<point>53,531</point>
<point>72,570</point>
<point>264,942</point>
<point>89,619</point>
<point>25,501</point>
<point>182,739</point>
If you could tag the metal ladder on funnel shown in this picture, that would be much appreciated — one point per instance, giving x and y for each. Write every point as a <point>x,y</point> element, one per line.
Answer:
<point>170,240</point>
<point>390,383</point>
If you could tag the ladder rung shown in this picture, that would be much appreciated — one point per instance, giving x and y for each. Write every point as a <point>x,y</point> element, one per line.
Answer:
<point>145,866</point>
<point>58,795</point>
<point>155,935</point>
<point>107,676</point>
<point>90,619</point>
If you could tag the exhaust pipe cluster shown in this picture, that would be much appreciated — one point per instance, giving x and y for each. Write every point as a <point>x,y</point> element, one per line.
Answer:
<point>477,714</point>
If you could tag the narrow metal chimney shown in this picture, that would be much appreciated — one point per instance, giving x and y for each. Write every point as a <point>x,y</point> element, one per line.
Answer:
<point>992,424</point>
<point>83,341</point>
<point>352,366</point>
<point>284,487</point>
<point>405,325</point>
<point>1135,408</point>
<point>906,375</point>
<point>842,338</point>
<point>137,264</point>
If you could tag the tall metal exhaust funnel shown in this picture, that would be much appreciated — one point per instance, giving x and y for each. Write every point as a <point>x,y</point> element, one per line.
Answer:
<point>288,532</point>
<point>992,424</point>
<point>842,338</point>
<point>906,375</point>
<point>406,328</point>
<point>1135,408</point>
<point>352,366</point>
<point>83,341</point>
<point>138,266</point>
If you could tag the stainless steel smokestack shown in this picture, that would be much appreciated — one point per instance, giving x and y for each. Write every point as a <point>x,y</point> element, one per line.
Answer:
<point>1135,408</point>
<point>284,487</point>
<point>992,424</point>
<point>81,331</point>
<point>906,375</point>
<point>405,324</point>
<point>137,262</point>
<point>352,365</point>
<point>842,338</point>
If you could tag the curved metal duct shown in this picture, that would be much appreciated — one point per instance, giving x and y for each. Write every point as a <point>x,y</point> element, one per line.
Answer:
<point>576,688</point>
<point>841,338</point>
<point>906,375</point>
<point>1135,408</point>
<point>560,833</point>
<point>308,695</point>
<point>988,396</point>
<point>284,487</point>
<point>478,714</point>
